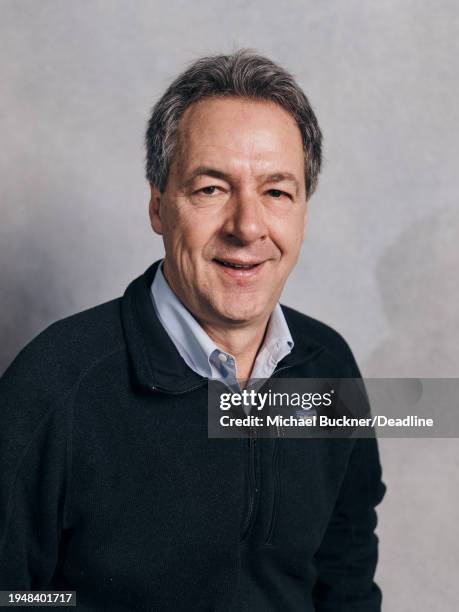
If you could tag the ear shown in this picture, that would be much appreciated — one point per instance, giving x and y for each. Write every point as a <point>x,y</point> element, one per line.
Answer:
<point>154,209</point>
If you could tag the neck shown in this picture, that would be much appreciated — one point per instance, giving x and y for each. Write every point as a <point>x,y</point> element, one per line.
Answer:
<point>242,343</point>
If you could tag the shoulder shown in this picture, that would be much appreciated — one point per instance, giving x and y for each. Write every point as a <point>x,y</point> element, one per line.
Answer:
<point>55,359</point>
<point>307,329</point>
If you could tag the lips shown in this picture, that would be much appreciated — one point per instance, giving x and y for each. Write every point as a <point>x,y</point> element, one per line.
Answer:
<point>238,265</point>
<point>245,273</point>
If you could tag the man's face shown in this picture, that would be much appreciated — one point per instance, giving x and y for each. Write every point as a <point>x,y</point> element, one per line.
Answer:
<point>233,213</point>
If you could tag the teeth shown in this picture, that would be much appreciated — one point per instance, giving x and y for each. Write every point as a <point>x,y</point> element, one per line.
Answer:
<point>231,265</point>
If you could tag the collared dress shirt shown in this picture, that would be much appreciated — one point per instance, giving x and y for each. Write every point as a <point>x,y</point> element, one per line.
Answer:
<point>201,353</point>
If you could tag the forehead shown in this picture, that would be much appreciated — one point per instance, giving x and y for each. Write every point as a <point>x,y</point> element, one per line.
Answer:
<point>239,132</point>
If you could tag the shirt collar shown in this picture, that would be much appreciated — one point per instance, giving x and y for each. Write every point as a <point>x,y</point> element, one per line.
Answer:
<point>199,351</point>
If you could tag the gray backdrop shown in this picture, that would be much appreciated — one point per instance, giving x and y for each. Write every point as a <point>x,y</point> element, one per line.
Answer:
<point>380,262</point>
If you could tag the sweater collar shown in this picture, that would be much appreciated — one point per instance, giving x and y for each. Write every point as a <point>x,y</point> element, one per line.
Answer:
<point>156,361</point>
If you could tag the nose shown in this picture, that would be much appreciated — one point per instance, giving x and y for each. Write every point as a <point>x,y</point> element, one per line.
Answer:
<point>245,222</point>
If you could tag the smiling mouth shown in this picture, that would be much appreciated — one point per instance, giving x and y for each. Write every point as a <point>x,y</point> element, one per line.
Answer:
<point>237,265</point>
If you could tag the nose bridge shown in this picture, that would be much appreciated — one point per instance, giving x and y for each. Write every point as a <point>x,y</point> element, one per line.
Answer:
<point>247,215</point>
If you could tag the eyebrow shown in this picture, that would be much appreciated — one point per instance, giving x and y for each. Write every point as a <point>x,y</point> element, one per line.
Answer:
<point>275,177</point>
<point>207,171</point>
<point>279,177</point>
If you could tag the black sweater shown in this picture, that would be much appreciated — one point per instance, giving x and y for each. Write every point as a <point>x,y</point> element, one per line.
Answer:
<point>110,486</point>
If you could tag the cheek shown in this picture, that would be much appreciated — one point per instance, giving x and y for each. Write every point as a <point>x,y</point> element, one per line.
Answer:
<point>187,240</point>
<point>287,234</point>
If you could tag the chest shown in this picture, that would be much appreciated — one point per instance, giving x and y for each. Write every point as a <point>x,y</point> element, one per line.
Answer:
<point>150,493</point>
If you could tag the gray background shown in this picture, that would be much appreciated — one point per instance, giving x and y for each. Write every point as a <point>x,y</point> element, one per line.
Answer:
<point>380,262</point>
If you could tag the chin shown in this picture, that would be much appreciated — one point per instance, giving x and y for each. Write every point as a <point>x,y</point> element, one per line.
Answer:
<point>241,313</point>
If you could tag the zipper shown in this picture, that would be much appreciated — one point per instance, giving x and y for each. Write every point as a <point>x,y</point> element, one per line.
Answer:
<point>252,483</point>
<point>276,471</point>
<point>276,489</point>
<point>277,448</point>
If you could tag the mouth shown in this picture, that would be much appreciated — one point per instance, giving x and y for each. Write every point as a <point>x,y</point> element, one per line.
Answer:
<point>243,273</point>
<point>238,265</point>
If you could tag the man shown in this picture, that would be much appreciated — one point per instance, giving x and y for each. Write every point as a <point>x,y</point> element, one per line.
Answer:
<point>110,485</point>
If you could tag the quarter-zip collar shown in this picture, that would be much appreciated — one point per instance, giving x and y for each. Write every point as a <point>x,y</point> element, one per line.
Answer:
<point>156,362</point>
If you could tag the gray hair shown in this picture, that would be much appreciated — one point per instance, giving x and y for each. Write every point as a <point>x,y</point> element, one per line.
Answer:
<point>243,74</point>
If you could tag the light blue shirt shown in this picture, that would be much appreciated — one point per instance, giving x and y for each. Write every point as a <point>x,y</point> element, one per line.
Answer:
<point>200,352</point>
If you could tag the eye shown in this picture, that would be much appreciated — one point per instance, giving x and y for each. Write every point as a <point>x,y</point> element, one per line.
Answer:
<point>210,190</point>
<point>277,194</point>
